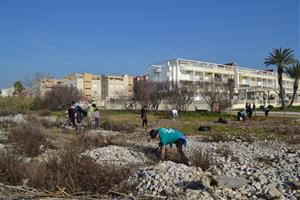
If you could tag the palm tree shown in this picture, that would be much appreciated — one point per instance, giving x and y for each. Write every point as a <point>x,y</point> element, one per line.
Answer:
<point>294,73</point>
<point>280,58</point>
<point>18,87</point>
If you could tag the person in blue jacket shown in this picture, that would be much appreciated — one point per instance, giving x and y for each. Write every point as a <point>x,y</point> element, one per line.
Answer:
<point>169,136</point>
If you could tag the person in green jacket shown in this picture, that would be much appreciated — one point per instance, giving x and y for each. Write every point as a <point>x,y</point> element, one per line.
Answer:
<point>169,136</point>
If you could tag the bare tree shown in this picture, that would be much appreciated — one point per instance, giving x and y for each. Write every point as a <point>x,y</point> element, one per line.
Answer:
<point>158,91</point>
<point>181,95</point>
<point>57,98</point>
<point>37,80</point>
<point>141,92</point>
<point>216,94</point>
<point>231,86</point>
<point>123,99</point>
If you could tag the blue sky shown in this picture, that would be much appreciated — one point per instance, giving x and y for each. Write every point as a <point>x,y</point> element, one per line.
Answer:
<point>61,37</point>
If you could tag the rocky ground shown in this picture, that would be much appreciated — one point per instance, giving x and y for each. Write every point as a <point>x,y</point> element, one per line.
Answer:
<point>239,170</point>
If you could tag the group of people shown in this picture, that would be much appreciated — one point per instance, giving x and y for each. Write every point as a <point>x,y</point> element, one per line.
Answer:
<point>76,114</point>
<point>249,112</point>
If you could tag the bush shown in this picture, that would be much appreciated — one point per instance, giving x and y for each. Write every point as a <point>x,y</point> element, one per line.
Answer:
<point>11,168</point>
<point>57,98</point>
<point>202,159</point>
<point>120,127</point>
<point>261,107</point>
<point>16,104</point>
<point>28,139</point>
<point>76,173</point>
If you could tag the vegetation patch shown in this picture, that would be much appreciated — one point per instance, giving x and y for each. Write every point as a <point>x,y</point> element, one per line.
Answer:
<point>11,168</point>
<point>29,139</point>
<point>202,159</point>
<point>120,127</point>
<point>76,173</point>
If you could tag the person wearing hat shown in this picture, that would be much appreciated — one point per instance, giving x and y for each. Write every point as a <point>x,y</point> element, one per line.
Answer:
<point>169,136</point>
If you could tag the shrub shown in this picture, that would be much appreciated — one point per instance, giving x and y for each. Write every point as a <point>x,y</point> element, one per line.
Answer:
<point>224,152</point>
<point>11,168</point>
<point>120,127</point>
<point>202,159</point>
<point>76,173</point>
<point>18,104</point>
<point>28,139</point>
<point>57,98</point>
<point>261,107</point>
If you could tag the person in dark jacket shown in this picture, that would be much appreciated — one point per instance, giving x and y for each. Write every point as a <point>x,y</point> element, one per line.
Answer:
<point>72,114</point>
<point>144,116</point>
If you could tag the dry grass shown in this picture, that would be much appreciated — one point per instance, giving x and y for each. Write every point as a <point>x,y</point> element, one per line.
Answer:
<point>202,159</point>
<point>11,168</point>
<point>217,137</point>
<point>7,111</point>
<point>247,137</point>
<point>120,127</point>
<point>84,142</point>
<point>224,152</point>
<point>76,173</point>
<point>28,139</point>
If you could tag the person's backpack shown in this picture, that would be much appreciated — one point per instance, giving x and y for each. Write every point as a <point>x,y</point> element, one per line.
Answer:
<point>80,113</point>
<point>204,128</point>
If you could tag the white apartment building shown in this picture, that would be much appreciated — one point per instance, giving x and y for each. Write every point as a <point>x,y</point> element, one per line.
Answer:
<point>7,92</point>
<point>250,84</point>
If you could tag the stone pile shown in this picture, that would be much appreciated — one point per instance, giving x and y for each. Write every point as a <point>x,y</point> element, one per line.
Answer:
<point>165,178</point>
<point>18,118</point>
<point>272,169</point>
<point>117,155</point>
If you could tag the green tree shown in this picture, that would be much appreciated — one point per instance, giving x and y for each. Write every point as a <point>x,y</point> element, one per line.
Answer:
<point>18,86</point>
<point>294,73</point>
<point>281,58</point>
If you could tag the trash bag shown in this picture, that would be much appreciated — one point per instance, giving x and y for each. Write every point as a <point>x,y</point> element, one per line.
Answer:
<point>204,128</point>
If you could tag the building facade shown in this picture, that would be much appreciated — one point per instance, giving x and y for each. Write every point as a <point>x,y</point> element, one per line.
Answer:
<point>45,85</point>
<point>7,92</point>
<point>250,84</point>
<point>114,87</point>
<point>89,85</point>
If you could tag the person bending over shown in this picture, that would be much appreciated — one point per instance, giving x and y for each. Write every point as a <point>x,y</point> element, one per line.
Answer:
<point>169,136</point>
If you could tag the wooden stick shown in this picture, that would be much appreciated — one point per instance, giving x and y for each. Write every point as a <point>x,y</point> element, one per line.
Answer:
<point>119,193</point>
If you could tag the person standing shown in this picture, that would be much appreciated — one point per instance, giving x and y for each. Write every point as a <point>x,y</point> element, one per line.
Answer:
<point>144,116</point>
<point>254,108</point>
<point>72,115</point>
<point>174,114</point>
<point>90,112</point>
<point>96,116</point>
